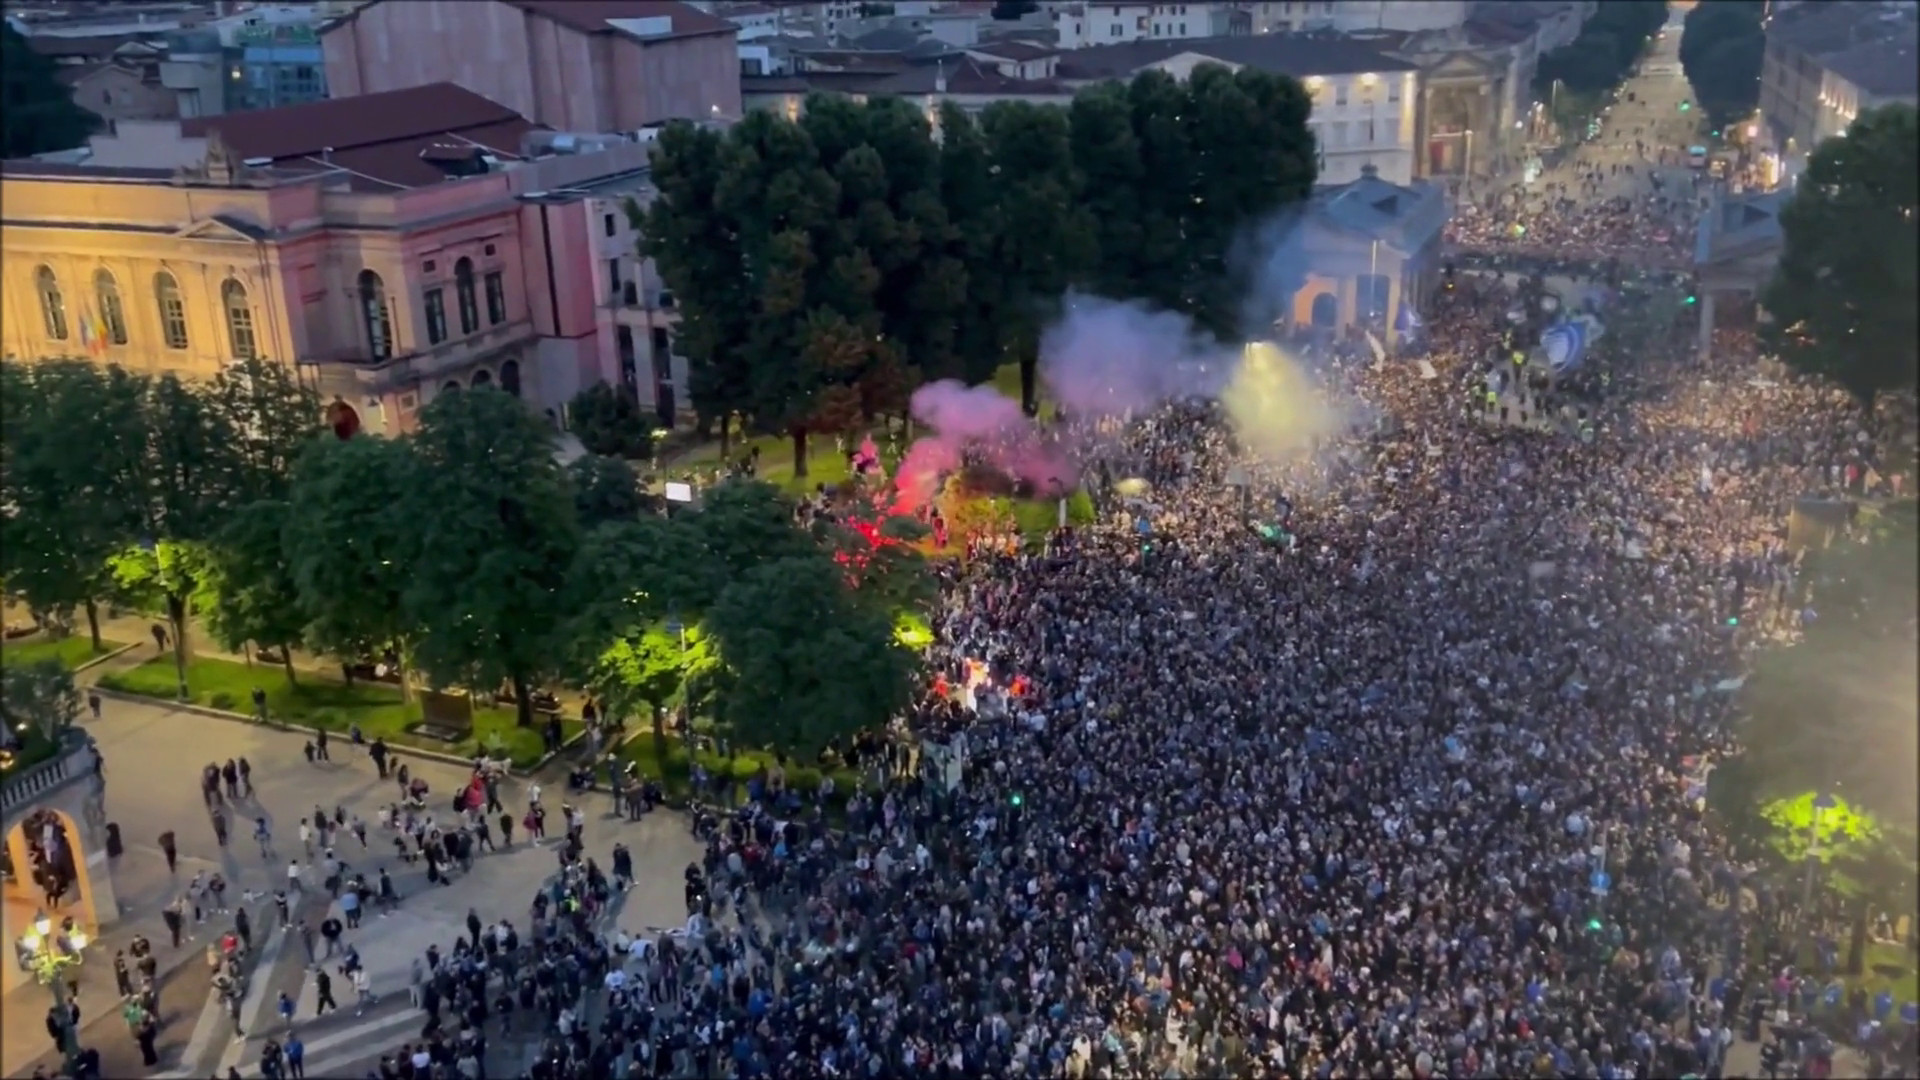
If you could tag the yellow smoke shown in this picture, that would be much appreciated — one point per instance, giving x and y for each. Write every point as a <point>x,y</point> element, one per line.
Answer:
<point>1275,406</point>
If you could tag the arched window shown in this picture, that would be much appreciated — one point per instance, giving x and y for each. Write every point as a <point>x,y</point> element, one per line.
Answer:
<point>510,377</point>
<point>53,306</point>
<point>469,303</point>
<point>373,312</point>
<point>233,297</point>
<point>452,385</point>
<point>106,293</point>
<point>483,377</point>
<point>173,310</point>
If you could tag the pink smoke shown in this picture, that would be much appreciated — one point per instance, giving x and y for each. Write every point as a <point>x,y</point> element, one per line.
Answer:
<point>957,417</point>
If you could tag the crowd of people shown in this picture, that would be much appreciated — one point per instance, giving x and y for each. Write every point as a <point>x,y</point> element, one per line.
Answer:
<point>1414,795</point>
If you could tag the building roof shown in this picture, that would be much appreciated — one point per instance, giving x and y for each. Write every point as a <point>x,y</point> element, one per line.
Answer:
<point>965,76</point>
<point>79,48</point>
<point>1738,227</point>
<point>1284,54</point>
<point>1017,51</point>
<point>32,169</point>
<point>70,75</point>
<point>1836,26</point>
<point>1404,218</point>
<point>1885,68</point>
<point>387,140</point>
<point>598,16</point>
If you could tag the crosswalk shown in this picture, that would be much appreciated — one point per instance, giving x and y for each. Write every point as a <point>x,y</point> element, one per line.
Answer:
<point>351,1051</point>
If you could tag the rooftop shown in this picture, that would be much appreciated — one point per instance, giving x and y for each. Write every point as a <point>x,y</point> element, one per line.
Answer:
<point>1283,54</point>
<point>1836,26</point>
<point>1886,68</point>
<point>633,18</point>
<point>1017,51</point>
<point>1403,217</point>
<point>965,76</point>
<point>1740,226</point>
<point>396,140</point>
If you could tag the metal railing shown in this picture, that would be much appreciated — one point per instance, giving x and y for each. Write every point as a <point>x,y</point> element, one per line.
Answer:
<point>74,762</point>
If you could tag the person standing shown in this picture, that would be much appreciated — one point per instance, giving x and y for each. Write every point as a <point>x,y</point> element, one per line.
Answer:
<point>246,778</point>
<point>263,836</point>
<point>145,1035</point>
<point>220,826</point>
<point>323,991</point>
<point>296,1056</point>
<point>378,752</point>
<point>93,703</point>
<point>175,920</point>
<point>168,848</point>
<point>320,745</point>
<point>243,925</point>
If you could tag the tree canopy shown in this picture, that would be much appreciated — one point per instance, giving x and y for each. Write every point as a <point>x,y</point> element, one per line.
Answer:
<point>1836,711</point>
<point>41,113</point>
<point>1841,300</point>
<point>825,266</point>
<point>1609,45</point>
<point>1722,44</point>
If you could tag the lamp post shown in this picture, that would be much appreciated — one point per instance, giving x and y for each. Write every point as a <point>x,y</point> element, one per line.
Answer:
<point>49,955</point>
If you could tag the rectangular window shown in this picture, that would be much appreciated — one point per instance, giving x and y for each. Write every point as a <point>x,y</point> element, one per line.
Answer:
<point>608,225</point>
<point>436,316</point>
<point>1340,94</point>
<point>1393,90</point>
<point>173,320</point>
<point>496,299</point>
<point>1113,31</point>
<point>613,277</point>
<point>427,267</point>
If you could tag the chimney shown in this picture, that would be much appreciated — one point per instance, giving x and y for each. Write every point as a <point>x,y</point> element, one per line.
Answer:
<point>1370,171</point>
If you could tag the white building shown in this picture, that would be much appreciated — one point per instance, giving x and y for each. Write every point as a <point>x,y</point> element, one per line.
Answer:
<point>1364,102</point>
<point>1078,26</point>
<point>1347,15</point>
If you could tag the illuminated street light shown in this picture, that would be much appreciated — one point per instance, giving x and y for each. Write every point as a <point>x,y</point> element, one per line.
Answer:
<point>49,955</point>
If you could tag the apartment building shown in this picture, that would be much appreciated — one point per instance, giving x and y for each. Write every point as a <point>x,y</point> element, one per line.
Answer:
<point>573,65</point>
<point>1080,25</point>
<point>392,247</point>
<point>1824,65</point>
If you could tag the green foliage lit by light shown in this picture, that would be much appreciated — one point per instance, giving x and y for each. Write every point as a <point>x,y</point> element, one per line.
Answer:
<point>1840,826</point>
<point>912,631</point>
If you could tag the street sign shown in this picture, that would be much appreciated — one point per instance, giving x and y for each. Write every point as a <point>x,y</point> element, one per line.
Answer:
<point>1602,881</point>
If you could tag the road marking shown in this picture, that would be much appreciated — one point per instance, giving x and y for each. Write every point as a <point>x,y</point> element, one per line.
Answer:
<point>366,1039</point>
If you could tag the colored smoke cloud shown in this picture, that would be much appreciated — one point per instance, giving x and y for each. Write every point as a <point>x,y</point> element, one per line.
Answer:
<point>1107,357</point>
<point>958,417</point>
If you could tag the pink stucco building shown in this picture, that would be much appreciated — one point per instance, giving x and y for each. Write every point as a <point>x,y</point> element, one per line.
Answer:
<point>572,65</point>
<point>392,247</point>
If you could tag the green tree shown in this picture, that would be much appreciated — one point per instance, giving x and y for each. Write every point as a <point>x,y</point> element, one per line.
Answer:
<point>65,471</point>
<point>351,548</point>
<point>41,113</point>
<point>1721,47</point>
<point>189,483</point>
<point>41,694</point>
<point>1836,711</point>
<point>497,534</point>
<point>803,665</point>
<point>604,489</point>
<point>693,234</point>
<point>1841,299</point>
<point>609,422</point>
<point>271,417</point>
<point>1046,241</point>
<point>739,526</point>
<point>628,578</point>
<point>968,194</point>
<point>250,588</point>
<point>1877,874</point>
<point>1111,173</point>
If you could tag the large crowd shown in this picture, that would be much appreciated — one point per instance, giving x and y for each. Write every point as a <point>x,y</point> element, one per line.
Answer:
<point>1334,808</point>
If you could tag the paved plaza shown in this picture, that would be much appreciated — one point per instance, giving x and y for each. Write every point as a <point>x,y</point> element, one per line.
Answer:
<point>154,755</point>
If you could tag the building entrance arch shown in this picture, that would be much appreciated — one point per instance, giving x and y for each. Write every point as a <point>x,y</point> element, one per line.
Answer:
<point>56,848</point>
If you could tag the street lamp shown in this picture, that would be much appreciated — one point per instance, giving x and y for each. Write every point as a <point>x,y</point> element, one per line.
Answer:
<point>49,956</point>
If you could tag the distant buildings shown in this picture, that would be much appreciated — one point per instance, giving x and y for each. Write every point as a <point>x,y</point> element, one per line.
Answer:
<point>1827,62</point>
<point>572,65</point>
<point>391,247</point>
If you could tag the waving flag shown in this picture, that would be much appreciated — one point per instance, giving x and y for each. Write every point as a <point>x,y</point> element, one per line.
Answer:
<point>88,339</point>
<point>1564,343</point>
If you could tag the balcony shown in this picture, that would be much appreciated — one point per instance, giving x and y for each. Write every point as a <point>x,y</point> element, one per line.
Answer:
<point>429,364</point>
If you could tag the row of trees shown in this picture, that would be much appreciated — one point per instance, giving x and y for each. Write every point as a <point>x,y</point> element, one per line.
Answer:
<point>824,267</point>
<point>1840,304</point>
<point>464,548</point>
<point>41,112</point>
<point>1722,45</point>
<point>1609,45</point>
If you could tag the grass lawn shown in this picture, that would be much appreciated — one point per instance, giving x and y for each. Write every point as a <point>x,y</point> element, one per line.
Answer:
<point>326,703</point>
<point>71,651</point>
<point>672,771</point>
<point>1905,988</point>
